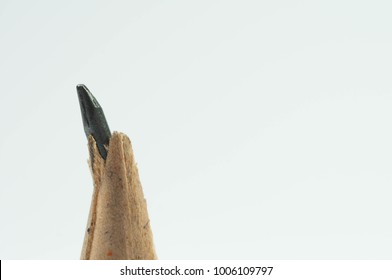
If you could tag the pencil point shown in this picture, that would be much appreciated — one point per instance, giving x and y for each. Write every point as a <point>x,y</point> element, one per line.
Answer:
<point>94,120</point>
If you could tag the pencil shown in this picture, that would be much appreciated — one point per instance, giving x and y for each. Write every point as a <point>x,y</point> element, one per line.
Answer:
<point>118,225</point>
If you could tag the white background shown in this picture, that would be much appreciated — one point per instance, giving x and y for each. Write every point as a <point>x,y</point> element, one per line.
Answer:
<point>262,129</point>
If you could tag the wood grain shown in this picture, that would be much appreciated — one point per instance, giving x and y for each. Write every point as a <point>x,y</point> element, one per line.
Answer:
<point>118,225</point>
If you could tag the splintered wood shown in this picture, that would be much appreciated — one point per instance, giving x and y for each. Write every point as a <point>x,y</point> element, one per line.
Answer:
<point>118,226</point>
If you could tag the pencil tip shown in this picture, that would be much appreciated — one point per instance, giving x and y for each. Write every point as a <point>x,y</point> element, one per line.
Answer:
<point>94,120</point>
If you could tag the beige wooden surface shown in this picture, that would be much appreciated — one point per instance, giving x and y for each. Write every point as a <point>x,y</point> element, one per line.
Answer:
<point>118,225</point>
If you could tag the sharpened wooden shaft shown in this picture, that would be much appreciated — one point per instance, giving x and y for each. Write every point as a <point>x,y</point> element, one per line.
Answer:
<point>118,225</point>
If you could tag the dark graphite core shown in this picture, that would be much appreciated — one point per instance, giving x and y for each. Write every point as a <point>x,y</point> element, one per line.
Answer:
<point>94,120</point>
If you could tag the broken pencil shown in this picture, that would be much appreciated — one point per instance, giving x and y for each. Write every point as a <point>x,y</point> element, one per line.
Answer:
<point>118,226</point>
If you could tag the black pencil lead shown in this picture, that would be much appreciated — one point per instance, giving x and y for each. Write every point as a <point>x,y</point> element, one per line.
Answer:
<point>94,120</point>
